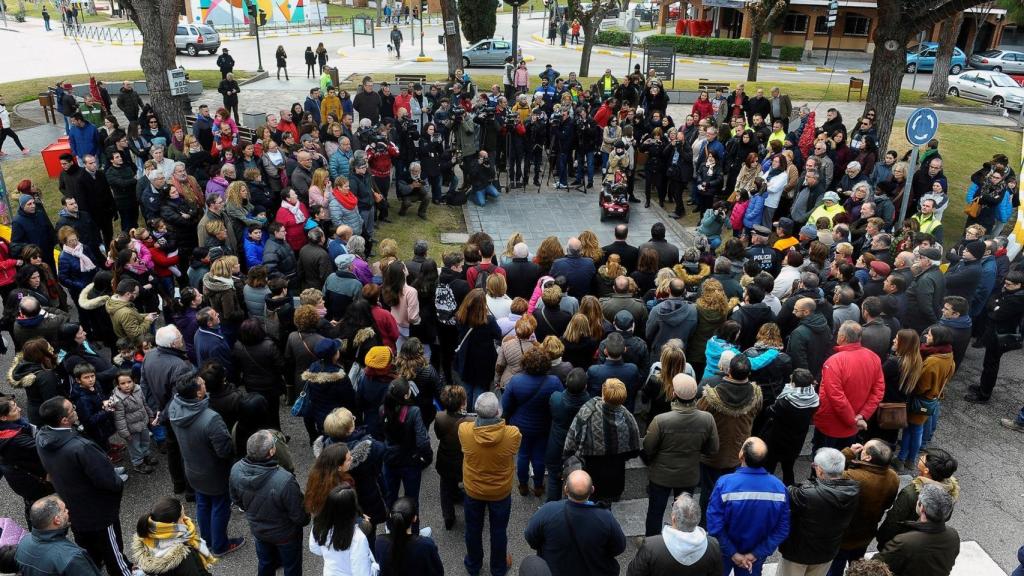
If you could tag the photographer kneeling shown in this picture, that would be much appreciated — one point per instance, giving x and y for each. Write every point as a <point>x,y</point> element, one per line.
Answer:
<point>481,179</point>
<point>412,188</point>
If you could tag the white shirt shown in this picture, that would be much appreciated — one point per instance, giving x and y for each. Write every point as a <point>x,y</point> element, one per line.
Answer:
<point>356,561</point>
<point>776,185</point>
<point>499,307</point>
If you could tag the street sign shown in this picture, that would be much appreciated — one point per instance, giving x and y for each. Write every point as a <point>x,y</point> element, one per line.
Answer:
<point>833,13</point>
<point>449,27</point>
<point>662,59</point>
<point>179,84</point>
<point>922,126</point>
<point>633,25</point>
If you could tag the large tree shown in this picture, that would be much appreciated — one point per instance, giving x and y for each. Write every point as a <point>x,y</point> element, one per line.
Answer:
<point>947,41</point>
<point>157,20</point>
<point>589,22</point>
<point>898,22</point>
<point>479,19</point>
<point>764,15</point>
<point>452,42</point>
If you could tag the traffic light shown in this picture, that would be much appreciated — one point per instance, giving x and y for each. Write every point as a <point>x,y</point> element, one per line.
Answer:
<point>251,9</point>
<point>263,18</point>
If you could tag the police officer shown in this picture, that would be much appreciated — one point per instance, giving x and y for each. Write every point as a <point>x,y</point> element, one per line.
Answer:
<point>761,252</point>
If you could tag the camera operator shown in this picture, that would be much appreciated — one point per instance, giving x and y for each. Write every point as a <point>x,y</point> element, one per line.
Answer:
<point>679,161</point>
<point>516,137</point>
<point>563,140</point>
<point>653,146</point>
<point>588,141</point>
<point>432,155</point>
<point>443,119</point>
<point>411,187</point>
<point>534,142</point>
<point>467,144</point>
<point>461,98</point>
<point>380,155</point>
<point>481,179</point>
<point>490,127</point>
<point>407,137</point>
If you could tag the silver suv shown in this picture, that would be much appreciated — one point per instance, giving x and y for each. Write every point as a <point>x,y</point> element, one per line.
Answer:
<point>194,38</point>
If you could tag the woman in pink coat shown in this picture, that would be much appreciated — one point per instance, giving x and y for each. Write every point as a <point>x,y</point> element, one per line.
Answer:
<point>293,215</point>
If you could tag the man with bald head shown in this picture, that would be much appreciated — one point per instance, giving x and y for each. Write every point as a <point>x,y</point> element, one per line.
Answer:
<point>622,298</point>
<point>852,385</point>
<point>579,270</point>
<point>576,535</point>
<point>628,254</point>
<point>302,175</point>
<point>809,343</point>
<point>749,511</point>
<point>672,448</point>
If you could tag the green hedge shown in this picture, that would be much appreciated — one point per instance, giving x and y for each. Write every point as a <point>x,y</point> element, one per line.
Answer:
<point>613,38</point>
<point>737,48</point>
<point>791,53</point>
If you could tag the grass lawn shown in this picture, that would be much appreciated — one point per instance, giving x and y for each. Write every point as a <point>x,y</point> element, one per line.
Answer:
<point>25,90</point>
<point>337,11</point>
<point>35,10</point>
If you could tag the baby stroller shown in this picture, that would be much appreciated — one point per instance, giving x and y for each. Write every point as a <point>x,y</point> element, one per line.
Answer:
<point>614,198</point>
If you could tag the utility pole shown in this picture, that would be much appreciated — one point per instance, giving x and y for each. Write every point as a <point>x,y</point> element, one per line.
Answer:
<point>422,15</point>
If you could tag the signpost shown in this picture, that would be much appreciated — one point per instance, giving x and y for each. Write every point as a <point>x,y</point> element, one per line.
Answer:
<point>922,126</point>
<point>632,25</point>
<point>363,26</point>
<point>833,13</point>
<point>662,59</point>
<point>178,82</point>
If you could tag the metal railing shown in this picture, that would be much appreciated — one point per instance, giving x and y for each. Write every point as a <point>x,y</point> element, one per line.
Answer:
<point>102,33</point>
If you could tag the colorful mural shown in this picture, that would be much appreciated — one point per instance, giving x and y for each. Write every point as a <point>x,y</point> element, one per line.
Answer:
<point>228,12</point>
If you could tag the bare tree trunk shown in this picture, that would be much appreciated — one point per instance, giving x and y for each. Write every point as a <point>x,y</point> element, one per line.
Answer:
<point>590,36</point>
<point>662,17</point>
<point>947,39</point>
<point>157,20</point>
<point>887,69</point>
<point>452,42</point>
<point>755,55</point>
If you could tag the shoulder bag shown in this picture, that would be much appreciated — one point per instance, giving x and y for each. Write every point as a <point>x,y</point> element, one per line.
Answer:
<point>302,407</point>
<point>892,415</point>
<point>974,208</point>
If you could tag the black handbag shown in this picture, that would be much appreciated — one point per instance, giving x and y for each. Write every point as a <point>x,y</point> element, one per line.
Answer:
<point>1009,342</point>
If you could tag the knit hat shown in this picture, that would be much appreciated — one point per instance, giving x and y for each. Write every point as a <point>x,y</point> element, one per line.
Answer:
<point>378,357</point>
<point>344,261</point>
<point>831,196</point>
<point>623,320</point>
<point>684,387</point>
<point>976,248</point>
<point>23,199</point>
<point>809,231</point>
<point>327,348</point>
<point>25,186</point>
<point>880,268</point>
<point>215,253</point>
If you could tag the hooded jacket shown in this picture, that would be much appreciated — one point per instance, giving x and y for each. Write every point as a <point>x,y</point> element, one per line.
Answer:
<point>733,406</point>
<point>205,442</point>
<point>39,384</point>
<point>489,447</point>
<point>179,560</point>
<point>271,499</point>
<point>810,342</point>
<point>924,299</point>
<point>46,552</point>
<point>819,512</point>
<point>904,509</point>
<point>83,476</point>
<point>750,318</point>
<point>19,461</point>
<point>672,318</point>
<point>128,322</point>
<point>926,549</point>
<point>674,444</point>
<point>851,384</point>
<point>677,553</point>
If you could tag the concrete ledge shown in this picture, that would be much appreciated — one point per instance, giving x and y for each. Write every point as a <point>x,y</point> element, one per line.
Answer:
<point>528,58</point>
<point>341,53</point>
<point>424,59</point>
<point>605,52</point>
<point>789,68</point>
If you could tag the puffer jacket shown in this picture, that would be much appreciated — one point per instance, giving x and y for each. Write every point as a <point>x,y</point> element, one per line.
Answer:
<point>733,405</point>
<point>819,512</point>
<point>674,443</point>
<point>39,384</point>
<point>327,387</point>
<point>127,321</point>
<point>271,499</point>
<point>45,552</point>
<point>851,383</point>
<point>131,414</point>
<point>489,448</point>
<point>178,560</point>
<point>260,367</point>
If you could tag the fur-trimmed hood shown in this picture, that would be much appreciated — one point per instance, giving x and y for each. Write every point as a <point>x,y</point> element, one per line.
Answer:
<point>22,374</point>
<point>88,303</point>
<point>950,485</point>
<point>318,374</point>
<point>153,564</point>
<point>733,399</point>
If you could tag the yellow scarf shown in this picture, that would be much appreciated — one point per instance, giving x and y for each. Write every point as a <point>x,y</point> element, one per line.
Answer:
<point>164,535</point>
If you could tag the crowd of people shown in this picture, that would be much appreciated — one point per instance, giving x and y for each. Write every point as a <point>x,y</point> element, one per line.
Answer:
<point>254,278</point>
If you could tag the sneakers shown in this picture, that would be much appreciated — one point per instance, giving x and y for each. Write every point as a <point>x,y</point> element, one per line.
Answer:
<point>25,151</point>
<point>524,489</point>
<point>1011,424</point>
<point>560,186</point>
<point>974,398</point>
<point>233,544</point>
<point>143,468</point>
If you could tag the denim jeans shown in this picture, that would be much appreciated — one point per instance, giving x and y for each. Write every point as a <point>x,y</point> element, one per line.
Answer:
<point>271,556</point>
<point>407,476</point>
<point>843,558</point>
<point>931,425</point>
<point>212,514</point>
<point>587,157</point>
<point>368,216</point>
<point>480,196</point>
<point>553,491</point>
<point>500,510</point>
<point>657,499</point>
<point>531,451</point>
<point>435,187</point>
<point>138,446</point>
<point>563,168</point>
<point>910,442</point>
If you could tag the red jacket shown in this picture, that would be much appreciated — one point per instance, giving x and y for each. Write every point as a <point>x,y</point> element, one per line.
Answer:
<point>603,115</point>
<point>703,109</point>
<point>161,261</point>
<point>386,326</point>
<point>8,269</point>
<point>402,102</point>
<point>380,164</point>
<point>851,384</point>
<point>295,232</point>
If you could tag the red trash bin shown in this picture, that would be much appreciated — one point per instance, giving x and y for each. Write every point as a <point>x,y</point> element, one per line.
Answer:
<point>680,27</point>
<point>52,153</point>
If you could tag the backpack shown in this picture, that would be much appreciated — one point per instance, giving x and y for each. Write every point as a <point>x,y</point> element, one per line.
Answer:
<point>482,274</point>
<point>444,302</point>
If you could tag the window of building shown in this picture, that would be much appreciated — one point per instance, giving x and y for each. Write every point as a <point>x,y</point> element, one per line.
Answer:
<point>795,24</point>
<point>856,25</point>
<point>821,25</point>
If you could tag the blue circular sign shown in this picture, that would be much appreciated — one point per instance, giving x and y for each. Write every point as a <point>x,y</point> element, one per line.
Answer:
<point>922,125</point>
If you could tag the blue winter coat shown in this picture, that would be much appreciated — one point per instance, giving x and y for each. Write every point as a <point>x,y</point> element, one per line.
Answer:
<point>34,229</point>
<point>579,272</point>
<point>211,345</point>
<point>625,371</point>
<point>525,402</point>
<point>749,513</point>
<point>713,353</point>
<point>339,164</point>
<point>253,251</point>
<point>84,140</point>
<point>69,271</point>
<point>985,287</point>
<point>1005,208</point>
<point>755,209</point>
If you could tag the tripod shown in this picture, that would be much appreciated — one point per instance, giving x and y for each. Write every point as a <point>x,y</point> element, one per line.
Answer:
<point>581,168</point>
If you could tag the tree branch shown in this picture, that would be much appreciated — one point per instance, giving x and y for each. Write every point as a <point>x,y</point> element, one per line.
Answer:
<point>930,17</point>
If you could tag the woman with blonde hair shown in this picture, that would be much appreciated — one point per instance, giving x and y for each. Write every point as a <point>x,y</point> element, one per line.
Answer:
<point>607,274</point>
<point>923,399</point>
<point>388,252</point>
<point>580,344</point>
<point>319,187</point>
<point>554,348</point>
<point>498,302</point>
<point>550,249</point>
<point>590,247</point>
<point>505,258</point>
<point>590,307</point>
<point>773,376</point>
<point>712,311</point>
<point>239,209</point>
<point>658,388</point>
<point>603,435</point>
<point>901,371</point>
<point>513,349</point>
<point>223,289</point>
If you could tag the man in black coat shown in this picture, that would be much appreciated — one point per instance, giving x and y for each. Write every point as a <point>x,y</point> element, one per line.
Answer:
<point>759,105</point>
<point>161,368</point>
<point>225,62</point>
<point>81,222</point>
<point>31,226</point>
<point>679,542</point>
<point>809,281</point>
<point>94,196</point>
<point>86,480</point>
<point>521,275</point>
<point>668,254</point>
<point>129,101</point>
<point>229,89</point>
<point>628,254</point>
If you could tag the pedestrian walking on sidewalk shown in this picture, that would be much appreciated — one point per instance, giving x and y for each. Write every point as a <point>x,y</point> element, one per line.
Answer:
<point>6,130</point>
<point>282,62</point>
<point>310,61</point>
<point>396,40</point>
<point>46,19</point>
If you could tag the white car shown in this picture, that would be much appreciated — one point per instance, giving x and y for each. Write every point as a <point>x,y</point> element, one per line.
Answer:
<point>989,86</point>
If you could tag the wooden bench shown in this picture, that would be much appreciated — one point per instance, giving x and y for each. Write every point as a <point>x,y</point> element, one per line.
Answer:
<point>406,78</point>
<point>703,84</point>
<point>246,135</point>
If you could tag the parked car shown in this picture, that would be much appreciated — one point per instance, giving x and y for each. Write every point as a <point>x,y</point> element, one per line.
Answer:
<point>489,52</point>
<point>921,58</point>
<point>194,38</point>
<point>998,60</point>
<point>988,86</point>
